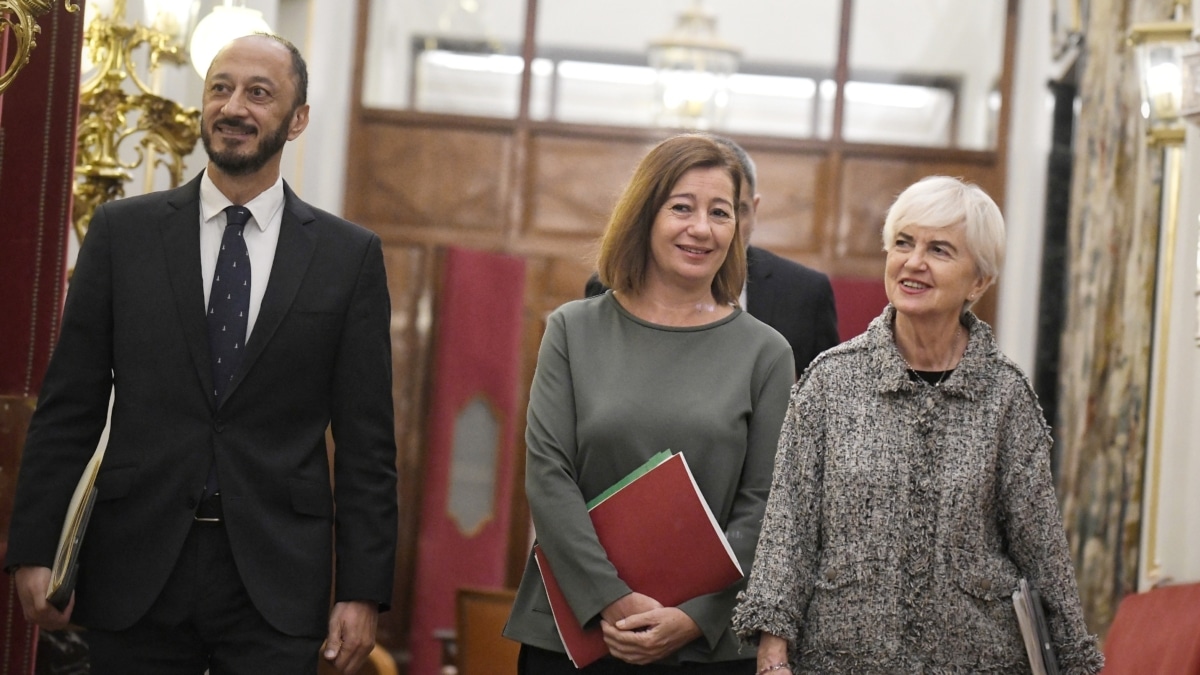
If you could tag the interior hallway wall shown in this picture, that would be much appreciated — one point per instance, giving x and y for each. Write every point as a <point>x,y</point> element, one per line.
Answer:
<point>1173,502</point>
<point>1028,150</point>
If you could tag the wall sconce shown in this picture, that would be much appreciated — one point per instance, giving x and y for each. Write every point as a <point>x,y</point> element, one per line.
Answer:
<point>109,115</point>
<point>20,17</point>
<point>1159,50</point>
<point>693,67</point>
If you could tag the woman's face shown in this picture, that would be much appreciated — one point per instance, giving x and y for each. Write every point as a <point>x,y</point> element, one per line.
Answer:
<point>693,230</point>
<point>930,272</point>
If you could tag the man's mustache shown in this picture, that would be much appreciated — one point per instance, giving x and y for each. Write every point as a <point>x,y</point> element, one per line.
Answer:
<point>233,125</point>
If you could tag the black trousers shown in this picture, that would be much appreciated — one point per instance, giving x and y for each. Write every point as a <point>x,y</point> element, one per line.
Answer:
<point>535,661</point>
<point>203,620</point>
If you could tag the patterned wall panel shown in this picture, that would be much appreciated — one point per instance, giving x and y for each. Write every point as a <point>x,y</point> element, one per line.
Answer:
<point>440,177</point>
<point>868,187</point>
<point>574,181</point>
<point>863,209</point>
<point>792,211</point>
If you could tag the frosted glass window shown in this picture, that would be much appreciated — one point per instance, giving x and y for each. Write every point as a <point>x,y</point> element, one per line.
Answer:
<point>920,72</point>
<point>954,50</point>
<point>401,32</point>
<point>472,492</point>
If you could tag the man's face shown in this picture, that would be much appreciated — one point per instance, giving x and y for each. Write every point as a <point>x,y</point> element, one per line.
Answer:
<point>249,109</point>
<point>747,212</point>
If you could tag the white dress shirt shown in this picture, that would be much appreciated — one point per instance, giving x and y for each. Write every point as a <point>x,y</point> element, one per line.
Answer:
<point>266,216</point>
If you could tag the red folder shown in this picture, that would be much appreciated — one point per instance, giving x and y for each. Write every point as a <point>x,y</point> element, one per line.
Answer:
<point>664,541</point>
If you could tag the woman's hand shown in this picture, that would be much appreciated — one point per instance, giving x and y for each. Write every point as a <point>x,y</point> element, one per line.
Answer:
<point>649,636</point>
<point>772,655</point>
<point>628,605</point>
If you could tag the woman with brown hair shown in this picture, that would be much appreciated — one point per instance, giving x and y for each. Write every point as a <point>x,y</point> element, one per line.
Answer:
<point>664,360</point>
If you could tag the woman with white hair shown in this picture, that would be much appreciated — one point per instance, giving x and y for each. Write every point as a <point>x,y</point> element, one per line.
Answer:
<point>912,487</point>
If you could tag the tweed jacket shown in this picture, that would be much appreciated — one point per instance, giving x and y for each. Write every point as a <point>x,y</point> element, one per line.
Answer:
<point>902,516</point>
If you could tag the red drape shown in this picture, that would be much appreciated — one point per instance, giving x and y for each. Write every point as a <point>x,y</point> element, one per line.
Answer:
<point>858,302</point>
<point>38,114</point>
<point>476,372</point>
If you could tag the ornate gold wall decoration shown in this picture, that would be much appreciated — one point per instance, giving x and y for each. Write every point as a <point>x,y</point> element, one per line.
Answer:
<point>20,16</point>
<point>168,131</point>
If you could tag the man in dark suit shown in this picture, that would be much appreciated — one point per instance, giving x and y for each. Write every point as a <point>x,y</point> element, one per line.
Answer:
<point>793,299</point>
<point>214,541</point>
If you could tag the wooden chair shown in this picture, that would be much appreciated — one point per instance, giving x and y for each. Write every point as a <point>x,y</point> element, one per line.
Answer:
<point>480,616</point>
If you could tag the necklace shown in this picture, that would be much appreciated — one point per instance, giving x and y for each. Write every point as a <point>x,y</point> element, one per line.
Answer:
<point>655,311</point>
<point>923,380</point>
<point>945,372</point>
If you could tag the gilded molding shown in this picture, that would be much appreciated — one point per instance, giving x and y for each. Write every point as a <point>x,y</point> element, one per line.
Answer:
<point>168,131</point>
<point>20,16</point>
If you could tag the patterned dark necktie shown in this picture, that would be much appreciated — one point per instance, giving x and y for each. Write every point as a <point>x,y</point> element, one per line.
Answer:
<point>228,311</point>
<point>229,302</point>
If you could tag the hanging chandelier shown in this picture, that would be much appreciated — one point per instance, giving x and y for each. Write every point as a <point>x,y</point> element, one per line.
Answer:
<point>692,66</point>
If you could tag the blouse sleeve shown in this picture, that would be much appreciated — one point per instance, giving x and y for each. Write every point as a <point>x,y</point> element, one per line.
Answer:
<point>556,504</point>
<point>1034,529</point>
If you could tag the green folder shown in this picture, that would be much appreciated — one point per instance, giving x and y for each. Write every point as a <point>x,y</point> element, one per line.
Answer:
<point>634,475</point>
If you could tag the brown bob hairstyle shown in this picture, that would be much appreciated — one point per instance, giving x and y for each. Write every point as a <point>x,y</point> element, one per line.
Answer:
<point>625,246</point>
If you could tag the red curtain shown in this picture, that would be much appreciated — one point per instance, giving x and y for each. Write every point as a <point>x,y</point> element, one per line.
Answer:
<point>463,536</point>
<point>858,301</point>
<point>38,114</point>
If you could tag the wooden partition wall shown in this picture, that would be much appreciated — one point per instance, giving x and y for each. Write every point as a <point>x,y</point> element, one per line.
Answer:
<point>543,191</point>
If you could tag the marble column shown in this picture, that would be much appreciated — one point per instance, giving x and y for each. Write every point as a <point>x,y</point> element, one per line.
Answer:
<point>1104,376</point>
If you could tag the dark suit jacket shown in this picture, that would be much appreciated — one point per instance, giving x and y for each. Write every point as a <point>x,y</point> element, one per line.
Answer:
<point>319,354</point>
<point>793,299</point>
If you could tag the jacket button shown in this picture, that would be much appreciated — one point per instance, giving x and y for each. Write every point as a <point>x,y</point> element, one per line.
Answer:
<point>831,575</point>
<point>985,584</point>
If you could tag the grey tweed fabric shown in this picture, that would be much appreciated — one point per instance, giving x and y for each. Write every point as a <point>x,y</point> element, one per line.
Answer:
<point>902,515</point>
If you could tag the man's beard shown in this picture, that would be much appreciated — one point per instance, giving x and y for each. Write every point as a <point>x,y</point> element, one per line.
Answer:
<point>236,164</point>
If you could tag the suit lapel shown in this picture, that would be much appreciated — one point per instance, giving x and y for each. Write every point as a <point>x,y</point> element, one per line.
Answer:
<point>180,229</point>
<point>292,255</point>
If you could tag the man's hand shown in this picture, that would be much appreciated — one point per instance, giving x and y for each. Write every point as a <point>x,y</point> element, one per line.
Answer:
<point>351,635</point>
<point>32,584</point>
<point>649,636</point>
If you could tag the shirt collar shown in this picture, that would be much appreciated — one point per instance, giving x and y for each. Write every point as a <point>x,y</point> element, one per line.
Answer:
<point>969,377</point>
<point>264,208</point>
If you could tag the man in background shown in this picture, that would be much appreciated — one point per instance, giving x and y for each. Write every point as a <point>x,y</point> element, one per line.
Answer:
<point>233,324</point>
<point>793,299</point>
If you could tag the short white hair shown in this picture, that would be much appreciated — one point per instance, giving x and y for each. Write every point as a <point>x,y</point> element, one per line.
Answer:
<point>942,201</point>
